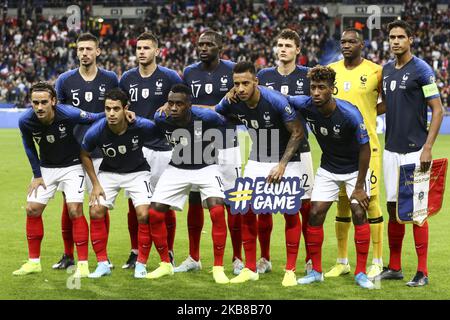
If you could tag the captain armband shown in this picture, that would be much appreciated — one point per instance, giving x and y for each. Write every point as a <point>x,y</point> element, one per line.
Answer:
<point>430,90</point>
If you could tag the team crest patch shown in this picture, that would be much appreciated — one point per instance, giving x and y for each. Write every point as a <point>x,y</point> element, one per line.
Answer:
<point>208,88</point>
<point>88,96</point>
<point>254,124</point>
<point>284,90</point>
<point>347,86</point>
<point>51,138</point>
<point>393,85</point>
<point>145,93</point>
<point>323,131</point>
<point>122,149</point>
<point>288,109</point>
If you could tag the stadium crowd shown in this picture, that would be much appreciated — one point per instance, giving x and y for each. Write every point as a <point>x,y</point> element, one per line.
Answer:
<point>42,48</point>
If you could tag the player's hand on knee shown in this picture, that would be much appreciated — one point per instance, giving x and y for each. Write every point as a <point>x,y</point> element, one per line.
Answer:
<point>276,174</point>
<point>97,192</point>
<point>164,109</point>
<point>425,159</point>
<point>361,196</point>
<point>34,186</point>
<point>130,116</point>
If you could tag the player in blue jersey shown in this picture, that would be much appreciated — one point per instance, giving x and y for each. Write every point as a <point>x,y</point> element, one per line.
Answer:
<point>186,128</point>
<point>147,87</point>
<point>209,80</point>
<point>123,167</point>
<point>409,88</point>
<point>340,131</point>
<point>83,87</point>
<point>267,115</point>
<point>50,126</point>
<point>289,79</point>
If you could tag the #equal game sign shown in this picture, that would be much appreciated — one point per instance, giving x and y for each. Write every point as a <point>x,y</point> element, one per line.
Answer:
<point>420,194</point>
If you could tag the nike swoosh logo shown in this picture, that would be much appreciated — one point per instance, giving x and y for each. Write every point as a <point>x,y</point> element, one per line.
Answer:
<point>133,85</point>
<point>95,242</point>
<point>107,145</point>
<point>195,81</point>
<point>71,90</point>
<point>35,133</point>
<point>308,119</point>
<point>80,191</point>
<point>385,77</point>
<point>270,83</point>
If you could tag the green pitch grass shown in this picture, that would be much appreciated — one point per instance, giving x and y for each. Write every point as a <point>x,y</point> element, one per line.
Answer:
<point>15,174</point>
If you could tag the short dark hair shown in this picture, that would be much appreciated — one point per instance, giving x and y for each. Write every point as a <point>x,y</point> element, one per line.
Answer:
<point>357,31</point>
<point>401,24</point>
<point>289,34</point>
<point>87,37</point>
<point>181,88</point>
<point>43,86</point>
<point>148,36</point>
<point>244,66</point>
<point>322,73</point>
<point>217,36</point>
<point>117,94</point>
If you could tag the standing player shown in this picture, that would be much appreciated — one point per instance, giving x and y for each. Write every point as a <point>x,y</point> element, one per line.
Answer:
<point>267,112</point>
<point>408,90</point>
<point>147,87</point>
<point>209,80</point>
<point>359,81</point>
<point>289,79</point>
<point>50,126</point>
<point>83,87</point>
<point>342,136</point>
<point>188,168</point>
<point>123,166</point>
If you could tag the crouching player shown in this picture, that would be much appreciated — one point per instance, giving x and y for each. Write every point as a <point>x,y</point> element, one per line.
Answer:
<point>343,138</point>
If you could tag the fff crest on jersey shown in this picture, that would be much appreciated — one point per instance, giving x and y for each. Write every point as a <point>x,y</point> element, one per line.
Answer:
<point>145,93</point>
<point>51,138</point>
<point>223,80</point>
<point>122,149</point>
<point>88,96</point>
<point>284,89</point>
<point>393,85</point>
<point>208,88</point>
<point>254,124</point>
<point>347,86</point>
<point>323,131</point>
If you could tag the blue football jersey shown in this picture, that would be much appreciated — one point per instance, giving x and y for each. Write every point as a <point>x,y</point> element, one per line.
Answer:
<point>404,92</point>
<point>121,153</point>
<point>146,95</point>
<point>339,135</point>
<point>208,88</point>
<point>189,142</point>
<point>295,83</point>
<point>268,121</point>
<point>58,147</point>
<point>89,96</point>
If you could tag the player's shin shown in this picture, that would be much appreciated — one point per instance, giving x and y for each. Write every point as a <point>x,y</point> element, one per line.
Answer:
<point>292,232</point>
<point>219,233</point>
<point>99,238</point>
<point>362,243</point>
<point>171,225</point>
<point>314,242</point>
<point>66,231</point>
<point>132,225</point>
<point>304,211</point>
<point>421,243</point>
<point>35,233</point>
<point>235,228</point>
<point>159,233</point>
<point>265,226</point>
<point>249,235</point>
<point>81,237</point>
<point>144,242</point>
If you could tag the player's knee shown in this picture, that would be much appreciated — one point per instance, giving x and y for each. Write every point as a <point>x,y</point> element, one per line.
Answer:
<point>142,214</point>
<point>75,210</point>
<point>33,210</point>
<point>391,208</point>
<point>159,207</point>
<point>316,216</point>
<point>97,212</point>
<point>359,217</point>
<point>194,198</point>
<point>214,201</point>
